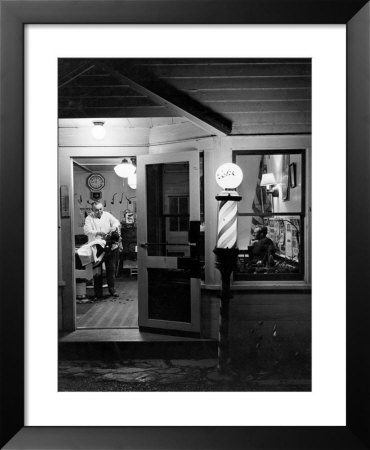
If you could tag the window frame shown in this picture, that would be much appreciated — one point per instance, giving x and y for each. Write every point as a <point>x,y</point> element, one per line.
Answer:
<point>284,277</point>
<point>178,215</point>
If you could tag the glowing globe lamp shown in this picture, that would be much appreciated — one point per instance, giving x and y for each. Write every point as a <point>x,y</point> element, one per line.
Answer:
<point>125,169</point>
<point>98,131</point>
<point>229,176</point>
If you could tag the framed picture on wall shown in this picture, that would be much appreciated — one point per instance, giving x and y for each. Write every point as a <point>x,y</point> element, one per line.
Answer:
<point>285,178</point>
<point>292,175</point>
<point>15,16</point>
<point>96,195</point>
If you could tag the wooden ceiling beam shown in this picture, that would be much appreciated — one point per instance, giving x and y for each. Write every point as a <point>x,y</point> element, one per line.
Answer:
<point>66,76</point>
<point>176,102</point>
<point>102,91</point>
<point>99,113</point>
<point>104,102</point>
<point>215,61</point>
<point>210,71</point>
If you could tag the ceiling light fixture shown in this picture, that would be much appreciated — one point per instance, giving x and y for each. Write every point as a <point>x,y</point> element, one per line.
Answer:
<point>98,131</point>
<point>125,168</point>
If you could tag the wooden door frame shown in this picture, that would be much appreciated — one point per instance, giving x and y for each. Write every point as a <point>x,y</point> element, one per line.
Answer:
<point>66,224</point>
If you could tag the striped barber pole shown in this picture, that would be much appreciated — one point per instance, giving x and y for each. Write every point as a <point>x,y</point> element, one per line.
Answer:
<point>227,224</point>
<point>226,253</point>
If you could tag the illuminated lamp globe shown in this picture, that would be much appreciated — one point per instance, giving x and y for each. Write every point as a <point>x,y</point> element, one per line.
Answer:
<point>98,131</point>
<point>132,181</point>
<point>229,176</point>
<point>125,169</point>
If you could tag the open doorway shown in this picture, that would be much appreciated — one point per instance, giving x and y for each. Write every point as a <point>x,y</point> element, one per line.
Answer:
<point>94,180</point>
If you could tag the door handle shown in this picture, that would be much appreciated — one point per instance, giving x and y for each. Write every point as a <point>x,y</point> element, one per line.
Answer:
<point>194,238</point>
<point>144,245</point>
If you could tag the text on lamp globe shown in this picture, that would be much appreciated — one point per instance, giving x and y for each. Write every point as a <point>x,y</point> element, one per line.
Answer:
<point>229,176</point>
<point>226,173</point>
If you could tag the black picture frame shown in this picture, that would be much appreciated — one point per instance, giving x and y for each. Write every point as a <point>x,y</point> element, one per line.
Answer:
<point>292,175</point>
<point>285,178</point>
<point>14,15</point>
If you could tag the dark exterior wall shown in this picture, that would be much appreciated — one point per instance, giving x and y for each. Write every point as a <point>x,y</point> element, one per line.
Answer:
<point>266,328</point>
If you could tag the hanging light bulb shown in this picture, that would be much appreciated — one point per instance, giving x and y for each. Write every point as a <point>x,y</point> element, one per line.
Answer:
<point>125,169</point>
<point>98,131</point>
<point>132,181</point>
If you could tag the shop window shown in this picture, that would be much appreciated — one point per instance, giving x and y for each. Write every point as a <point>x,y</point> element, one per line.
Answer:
<point>271,215</point>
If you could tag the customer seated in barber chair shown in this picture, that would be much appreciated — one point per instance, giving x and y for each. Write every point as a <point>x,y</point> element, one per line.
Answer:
<point>262,249</point>
<point>100,224</point>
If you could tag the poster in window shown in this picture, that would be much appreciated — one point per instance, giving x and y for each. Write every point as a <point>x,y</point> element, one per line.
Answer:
<point>288,241</point>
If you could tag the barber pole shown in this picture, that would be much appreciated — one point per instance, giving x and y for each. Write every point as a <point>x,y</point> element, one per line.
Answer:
<point>226,256</point>
<point>227,220</point>
<point>228,176</point>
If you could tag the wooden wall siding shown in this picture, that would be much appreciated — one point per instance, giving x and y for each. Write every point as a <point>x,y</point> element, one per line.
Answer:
<point>175,133</point>
<point>135,133</point>
<point>259,96</point>
<point>115,137</point>
<point>137,122</point>
<point>265,327</point>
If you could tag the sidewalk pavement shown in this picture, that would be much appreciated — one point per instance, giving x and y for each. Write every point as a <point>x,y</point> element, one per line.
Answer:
<point>175,375</point>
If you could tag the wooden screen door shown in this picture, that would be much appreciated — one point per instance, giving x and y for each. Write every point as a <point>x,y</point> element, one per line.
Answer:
<point>168,201</point>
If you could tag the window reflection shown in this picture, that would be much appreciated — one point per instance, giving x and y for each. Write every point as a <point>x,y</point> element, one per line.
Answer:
<point>271,215</point>
<point>272,245</point>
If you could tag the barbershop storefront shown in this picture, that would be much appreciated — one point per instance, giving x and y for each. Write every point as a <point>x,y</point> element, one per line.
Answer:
<point>165,276</point>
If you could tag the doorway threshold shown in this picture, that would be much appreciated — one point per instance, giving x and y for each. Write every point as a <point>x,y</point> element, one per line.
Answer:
<point>131,343</point>
<point>121,335</point>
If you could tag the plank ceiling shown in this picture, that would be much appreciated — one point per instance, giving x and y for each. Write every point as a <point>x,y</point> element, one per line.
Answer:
<point>234,96</point>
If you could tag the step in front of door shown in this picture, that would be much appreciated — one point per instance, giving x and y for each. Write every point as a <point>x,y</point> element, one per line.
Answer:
<point>132,344</point>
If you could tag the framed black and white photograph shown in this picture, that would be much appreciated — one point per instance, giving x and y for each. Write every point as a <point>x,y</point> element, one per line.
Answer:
<point>161,293</point>
<point>151,281</point>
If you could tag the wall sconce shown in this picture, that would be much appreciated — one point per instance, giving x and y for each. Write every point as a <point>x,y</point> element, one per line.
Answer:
<point>98,131</point>
<point>268,180</point>
<point>125,168</point>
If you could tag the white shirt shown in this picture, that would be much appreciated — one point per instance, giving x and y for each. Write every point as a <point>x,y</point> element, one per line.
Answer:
<point>104,225</point>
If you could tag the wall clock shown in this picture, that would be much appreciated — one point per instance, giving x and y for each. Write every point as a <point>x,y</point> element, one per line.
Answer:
<point>95,182</point>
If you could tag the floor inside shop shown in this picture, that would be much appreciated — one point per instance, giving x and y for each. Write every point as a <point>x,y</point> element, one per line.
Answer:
<point>110,312</point>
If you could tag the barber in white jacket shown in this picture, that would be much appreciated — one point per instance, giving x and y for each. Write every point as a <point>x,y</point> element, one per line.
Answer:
<point>97,224</point>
